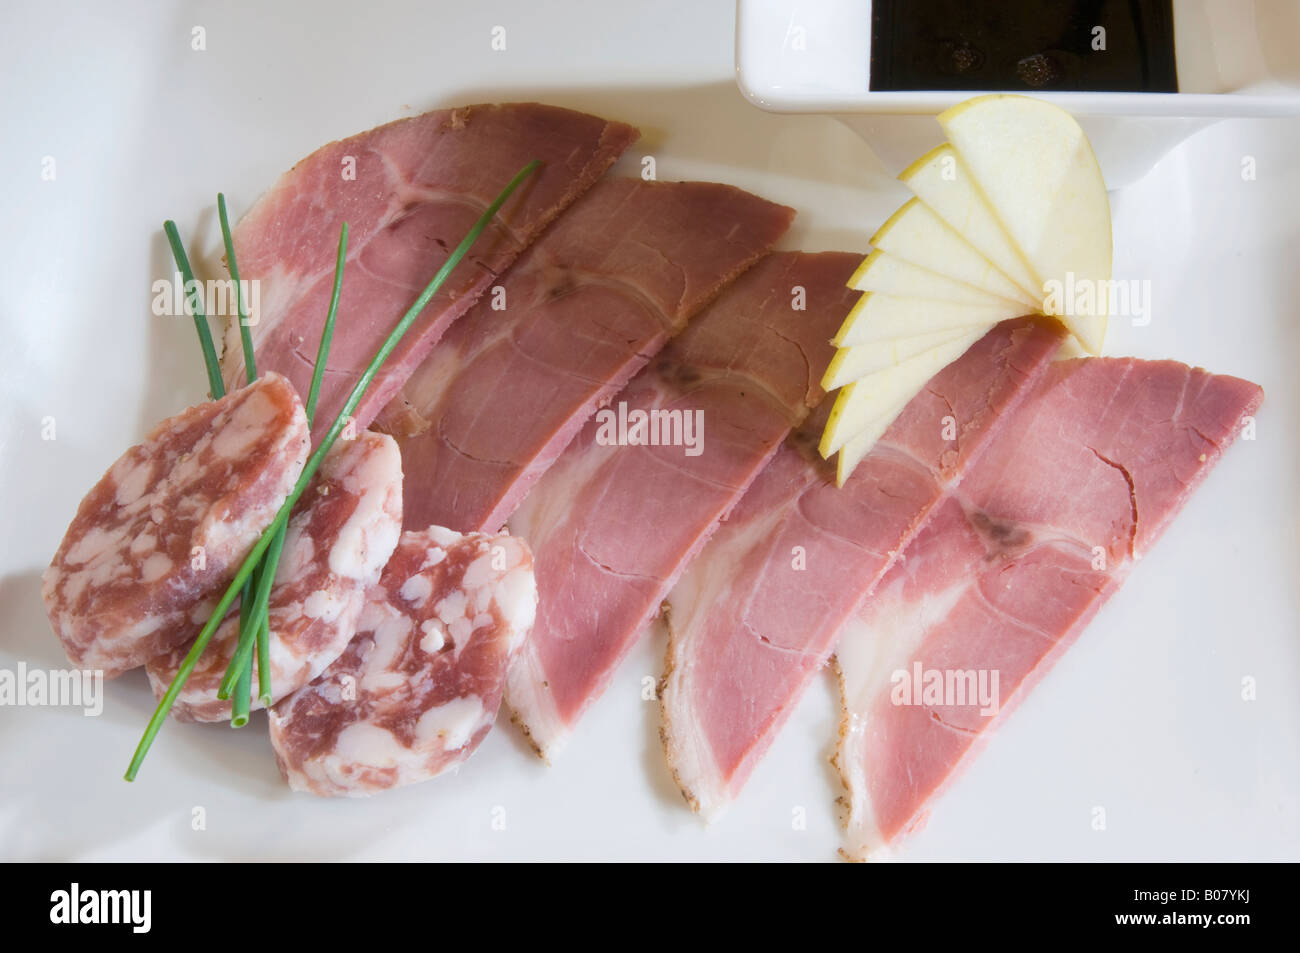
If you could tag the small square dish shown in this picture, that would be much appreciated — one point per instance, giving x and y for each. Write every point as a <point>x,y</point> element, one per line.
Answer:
<point>1229,59</point>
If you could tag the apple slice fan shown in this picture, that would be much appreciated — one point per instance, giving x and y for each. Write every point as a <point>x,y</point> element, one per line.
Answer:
<point>1010,218</point>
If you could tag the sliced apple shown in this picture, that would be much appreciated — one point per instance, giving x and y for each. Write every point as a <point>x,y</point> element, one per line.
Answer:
<point>1034,166</point>
<point>942,182</point>
<point>1069,349</point>
<point>917,235</point>
<point>860,403</point>
<point>855,449</point>
<point>1010,217</point>
<point>887,274</point>
<point>885,318</point>
<point>853,363</point>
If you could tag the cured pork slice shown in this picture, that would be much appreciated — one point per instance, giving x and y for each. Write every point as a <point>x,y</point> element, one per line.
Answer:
<point>1044,528</point>
<point>582,311</point>
<point>419,686</point>
<point>409,191</point>
<point>169,523</point>
<point>754,618</point>
<point>341,533</point>
<point>617,517</point>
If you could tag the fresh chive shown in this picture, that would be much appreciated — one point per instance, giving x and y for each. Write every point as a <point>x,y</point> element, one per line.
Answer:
<point>239,716</point>
<point>245,335</point>
<point>327,332</point>
<point>239,705</point>
<point>261,606</point>
<point>241,660</point>
<point>313,464</point>
<point>239,711</point>
<point>263,617</point>
<point>200,643</point>
<point>215,385</point>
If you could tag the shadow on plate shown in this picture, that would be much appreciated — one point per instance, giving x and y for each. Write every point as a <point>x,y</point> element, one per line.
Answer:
<point>712,131</point>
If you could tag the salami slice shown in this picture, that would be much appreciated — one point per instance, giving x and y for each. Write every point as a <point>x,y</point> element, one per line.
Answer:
<point>419,686</point>
<point>342,532</point>
<point>170,522</point>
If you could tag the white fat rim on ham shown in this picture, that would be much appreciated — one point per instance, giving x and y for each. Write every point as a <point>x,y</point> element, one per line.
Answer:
<point>867,656</point>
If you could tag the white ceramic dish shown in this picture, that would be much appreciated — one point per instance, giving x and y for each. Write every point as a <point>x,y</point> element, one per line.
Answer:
<point>1143,717</point>
<point>1235,59</point>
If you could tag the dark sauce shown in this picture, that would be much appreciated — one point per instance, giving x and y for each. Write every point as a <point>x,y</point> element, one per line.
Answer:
<point>1023,45</point>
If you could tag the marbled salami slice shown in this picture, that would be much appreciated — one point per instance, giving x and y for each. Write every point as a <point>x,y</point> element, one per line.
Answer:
<point>419,686</point>
<point>342,532</point>
<point>170,522</point>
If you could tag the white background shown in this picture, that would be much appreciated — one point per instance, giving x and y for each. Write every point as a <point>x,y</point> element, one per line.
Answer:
<point>1144,717</point>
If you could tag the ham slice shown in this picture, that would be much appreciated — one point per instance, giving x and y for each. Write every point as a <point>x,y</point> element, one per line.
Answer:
<point>754,618</point>
<point>1044,528</point>
<point>419,686</point>
<point>612,523</point>
<point>581,312</point>
<point>409,191</point>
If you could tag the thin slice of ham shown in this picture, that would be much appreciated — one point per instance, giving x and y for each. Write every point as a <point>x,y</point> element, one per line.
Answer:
<point>342,532</point>
<point>1044,528</point>
<point>167,526</point>
<point>754,617</point>
<point>612,524</point>
<point>419,686</point>
<point>582,311</point>
<point>409,191</point>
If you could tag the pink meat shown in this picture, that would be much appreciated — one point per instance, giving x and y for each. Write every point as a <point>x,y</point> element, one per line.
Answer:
<point>1044,528</point>
<point>341,533</point>
<point>754,617</point>
<point>419,686</point>
<point>614,524</point>
<point>409,191</point>
<point>581,312</point>
<point>168,525</point>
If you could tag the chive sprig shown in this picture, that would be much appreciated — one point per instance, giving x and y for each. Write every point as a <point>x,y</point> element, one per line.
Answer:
<point>257,629</point>
<point>264,542</point>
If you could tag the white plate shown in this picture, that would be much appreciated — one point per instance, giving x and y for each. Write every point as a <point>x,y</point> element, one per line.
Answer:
<point>1143,717</point>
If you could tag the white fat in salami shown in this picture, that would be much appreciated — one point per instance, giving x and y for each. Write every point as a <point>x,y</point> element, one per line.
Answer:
<point>169,523</point>
<point>342,532</point>
<point>419,686</point>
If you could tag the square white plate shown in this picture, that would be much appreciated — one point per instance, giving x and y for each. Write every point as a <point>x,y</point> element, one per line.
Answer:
<point>1144,717</point>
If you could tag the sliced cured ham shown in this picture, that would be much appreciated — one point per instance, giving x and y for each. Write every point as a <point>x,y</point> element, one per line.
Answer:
<point>619,515</point>
<point>409,191</point>
<point>581,312</point>
<point>341,533</point>
<point>755,616</point>
<point>1044,528</point>
<point>169,523</point>
<point>419,686</point>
